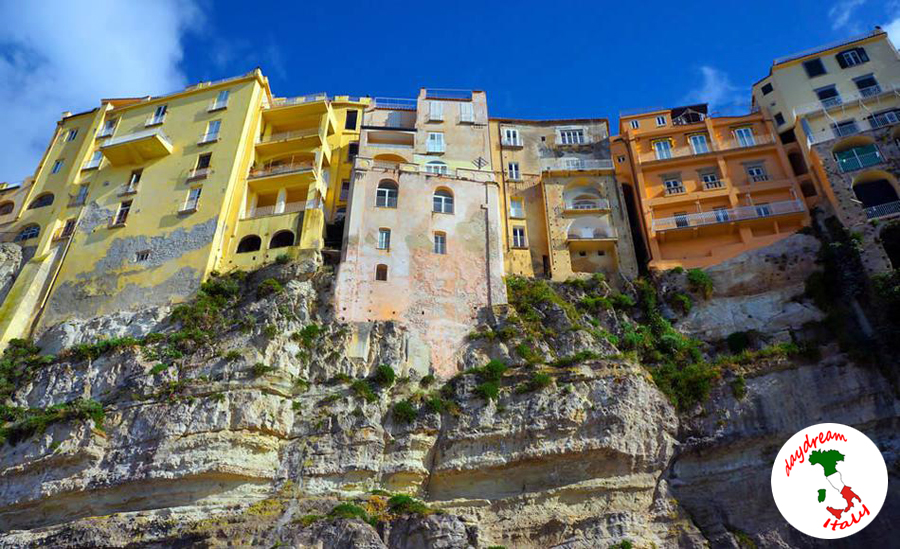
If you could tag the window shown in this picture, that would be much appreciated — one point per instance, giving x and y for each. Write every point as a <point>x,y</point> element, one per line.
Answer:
<point>221,101</point>
<point>440,243</point>
<point>68,229</point>
<point>27,233</point>
<point>571,137</point>
<point>41,201</point>
<point>202,168</point>
<point>513,170</point>
<point>757,173</point>
<point>829,96</point>
<point>699,143</point>
<point>511,137</point>
<point>212,131</point>
<point>193,200</point>
<point>852,57</point>
<point>251,243</point>
<point>381,272</point>
<point>142,256</point>
<point>436,167</point>
<point>814,67</point>
<point>767,89</point>
<point>847,127</point>
<point>635,124</point>
<point>763,210</point>
<point>779,119</point>
<point>73,133</point>
<point>108,128</point>
<point>94,162</point>
<point>518,237</point>
<point>660,121</point>
<point>133,181</point>
<point>466,112</point>
<point>350,121</point>
<point>435,111</point>
<point>443,202</point>
<point>745,137</point>
<point>517,208</point>
<point>282,239</point>
<point>158,116</point>
<point>81,196</point>
<point>57,166</point>
<point>386,195</point>
<point>663,149</point>
<point>681,219</point>
<point>620,159</point>
<point>886,118</point>
<point>384,239</point>
<point>122,214</point>
<point>721,214</point>
<point>867,85</point>
<point>345,190</point>
<point>435,142</point>
<point>7,208</point>
<point>352,151</point>
<point>673,186</point>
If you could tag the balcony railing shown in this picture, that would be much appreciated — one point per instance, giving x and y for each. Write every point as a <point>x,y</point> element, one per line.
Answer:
<point>136,136</point>
<point>759,178</point>
<point>859,161</point>
<point>592,233</point>
<point>575,164</point>
<point>873,122</point>
<point>727,215</point>
<point>670,191</point>
<point>284,136</point>
<point>512,142</point>
<point>278,169</point>
<point>871,91</point>
<point>588,204</point>
<point>756,140</point>
<point>882,210</point>
<point>849,100</point>
<point>395,104</point>
<point>276,209</point>
<point>441,93</point>
<point>713,185</point>
<point>299,100</point>
<point>129,188</point>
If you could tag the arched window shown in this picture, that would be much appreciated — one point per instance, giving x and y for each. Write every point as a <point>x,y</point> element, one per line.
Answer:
<point>282,239</point>
<point>42,200</point>
<point>443,201</point>
<point>386,195</point>
<point>248,244</point>
<point>381,272</point>
<point>6,208</point>
<point>27,233</point>
<point>436,167</point>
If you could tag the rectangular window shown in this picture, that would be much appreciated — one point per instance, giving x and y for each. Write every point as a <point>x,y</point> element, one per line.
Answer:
<point>159,115</point>
<point>745,137</point>
<point>660,121</point>
<point>193,199</point>
<point>681,219</point>
<point>440,243</point>
<point>673,186</point>
<point>72,135</point>
<point>757,173</point>
<point>511,137</point>
<point>350,121</point>
<point>203,161</point>
<point>721,214</point>
<point>108,128</point>
<point>57,166</point>
<point>437,167</point>
<point>142,256</point>
<point>68,229</point>
<point>466,112</point>
<point>517,208</point>
<point>711,181</point>
<point>212,131</point>
<point>220,102</point>
<point>571,137</point>
<point>847,127</point>
<point>513,170</point>
<point>635,124</point>
<point>435,111</point>
<point>852,57</point>
<point>81,195</point>
<point>518,237</point>
<point>384,239</point>
<point>122,214</point>
<point>885,119</point>
<point>133,181</point>
<point>763,210</point>
<point>767,89</point>
<point>829,96</point>
<point>352,151</point>
<point>663,149</point>
<point>435,142</point>
<point>867,85</point>
<point>699,143</point>
<point>779,119</point>
<point>345,190</point>
<point>94,162</point>
<point>814,67</point>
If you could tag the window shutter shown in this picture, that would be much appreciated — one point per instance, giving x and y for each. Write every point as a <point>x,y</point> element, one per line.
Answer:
<point>863,56</point>
<point>841,60</point>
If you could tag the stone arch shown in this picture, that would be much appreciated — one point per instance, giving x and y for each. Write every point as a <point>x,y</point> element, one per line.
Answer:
<point>250,243</point>
<point>282,239</point>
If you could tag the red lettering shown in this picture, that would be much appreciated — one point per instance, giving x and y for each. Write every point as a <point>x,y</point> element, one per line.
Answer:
<point>826,523</point>
<point>800,454</point>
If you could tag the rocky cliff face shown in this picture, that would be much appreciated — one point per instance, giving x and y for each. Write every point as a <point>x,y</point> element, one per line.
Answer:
<point>254,418</point>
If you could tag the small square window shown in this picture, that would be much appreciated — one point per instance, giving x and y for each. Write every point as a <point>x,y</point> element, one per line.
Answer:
<point>635,124</point>
<point>660,121</point>
<point>142,256</point>
<point>814,67</point>
<point>72,135</point>
<point>779,119</point>
<point>57,166</point>
<point>767,89</point>
<point>582,254</point>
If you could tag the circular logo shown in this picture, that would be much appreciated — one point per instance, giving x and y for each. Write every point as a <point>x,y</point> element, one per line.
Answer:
<point>829,481</point>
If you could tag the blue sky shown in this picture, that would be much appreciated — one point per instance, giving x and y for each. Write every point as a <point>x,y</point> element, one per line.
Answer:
<point>535,59</point>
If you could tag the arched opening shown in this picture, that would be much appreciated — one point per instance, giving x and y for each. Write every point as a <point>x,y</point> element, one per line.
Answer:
<point>589,228</point>
<point>386,194</point>
<point>41,201</point>
<point>28,232</point>
<point>381,272</point>
<point>282,239</point>
<point>878,193</point>
<point>389,158</point>
<point>443,201</point>
<point>582,195</point>
<point>7,207</point>
<point>250,243</point>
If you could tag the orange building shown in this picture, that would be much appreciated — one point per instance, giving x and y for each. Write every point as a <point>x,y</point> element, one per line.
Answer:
<point>707,188</point>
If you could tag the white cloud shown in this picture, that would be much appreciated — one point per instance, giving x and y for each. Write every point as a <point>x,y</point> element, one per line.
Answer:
<point>65,55</point>
<point>717,90</point>
<point>893,26</point>
<point>841,15</point>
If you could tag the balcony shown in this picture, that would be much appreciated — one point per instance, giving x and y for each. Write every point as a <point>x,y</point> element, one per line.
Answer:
<point>199,173</point>
<point>443,93</point>
<point>137,148</point>
<point>883,210</point>
<point>575,164</point>
<point>275,209</point>
<point>129,188</point>
<point>713,185</point>
<point>761,178</point>
<point>280,169</point>
<point>586,204</point>
<point>395,104</point>
<point>299,100</point>
<point>854,159</point>
<point>851,100</point>
<point>592,233</point>
<point>675,191</point>
<point>741,213</point>
<point>512,142</point>
<point>286,141</point>
<point>854,127</point>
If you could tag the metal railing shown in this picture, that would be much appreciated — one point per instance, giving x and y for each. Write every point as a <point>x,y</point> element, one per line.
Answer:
<point>276,209</point>
<point>824,47</point>
<point>671,191</point>
<point>300,99</point>
<point>588,204</point>
<point>396,104</point>
<point>506,142</point>
<point>756,140</point>
<point>136,136</point>
<point>593,233</point>
<point>759,178</point>
<point>278,169</point>
<point>859,161</point>
<point>882,210</point>
<point>444,93</point>
<point>293,134</point>
<point>873,122</point>
<point>848,100</point>
<point>727,215</point>
<point>713,185</point>
<point>870,91</point>
<point>572,164</point>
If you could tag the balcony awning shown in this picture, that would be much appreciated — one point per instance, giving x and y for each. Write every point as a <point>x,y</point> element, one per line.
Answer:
<point>137,147</point>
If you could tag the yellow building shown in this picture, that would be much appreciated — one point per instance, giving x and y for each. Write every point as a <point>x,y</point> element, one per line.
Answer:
<point>137,201</point>
<point>564,213</point>
<point>708,188</point>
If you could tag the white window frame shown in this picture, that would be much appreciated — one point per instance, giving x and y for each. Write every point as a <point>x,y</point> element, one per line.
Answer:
<point>660,121</point>
<point>123,212</point>
<point>221,101</point>
<point>663,149</point>
<point>386,197</point>
<point>212,131</point>
<point>435,143</point>
<point>511,137</point>
<point>512,169</point>
<point>440,243</point>
<point>94,161</point>
<point>518,236</point>
<point>193,199</point>
<point>635,124</point>
<point>158,116</point>
<point>435,111</point>
<point>744,136</point>
<point>517,208</point>
<point>710,180</point>
<point>572,136</point>
<point>466,112</point>
<point>440,203</point>
<point>108,128</point>
<point>852,58</point>
<point>700,138</point>
<point>757,173</point>
<point>384,239</point>
<point>437,167</point>
<point>81,195</point>
<point>674,186</point>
